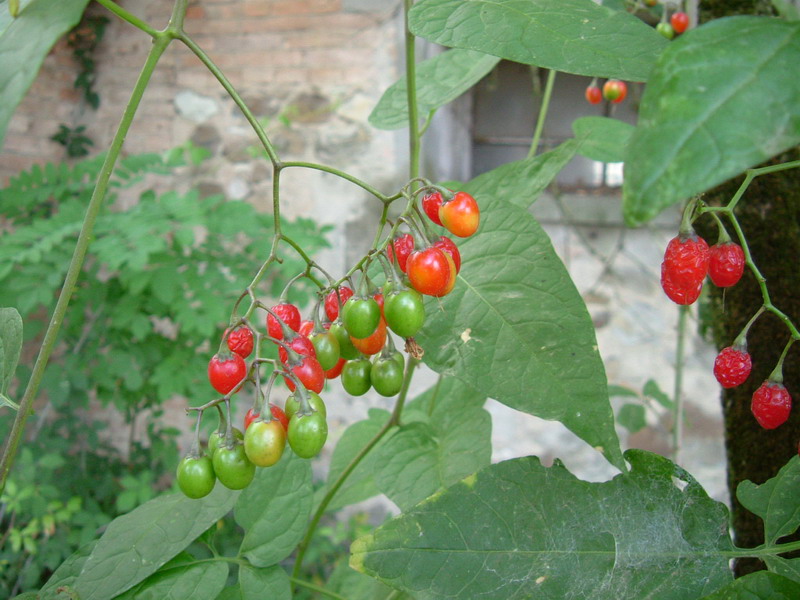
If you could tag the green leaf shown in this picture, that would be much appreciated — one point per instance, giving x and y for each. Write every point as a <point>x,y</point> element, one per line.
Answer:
<point>602,138</point>
<point>274,510</point>
<point>196,580</point>
<point>786,567</point>
<point>10,345</point>
<point>259,584</point>
<point>575,36</point>
<point>135,545</point>
<point>516,329</point>
<point>775,501</point>
<point>758,586</point>
<point>652,390</point>
<point>717,103</point>
<point>66,574</point>
<point>440,80</point>
<point>446,436</point>
<point>360,485</point>
<point>5,400</point>
<point>520,530</point>
<point>522,181</point>
<point>621,390</point>
<point>24,43</point>
<point>356,586</point>
<point>787,10</point>
<point>632,417</point>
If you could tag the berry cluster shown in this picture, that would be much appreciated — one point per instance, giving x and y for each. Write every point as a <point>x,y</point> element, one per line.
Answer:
<point>613,91</point>
<point>352,342</point>
<point>687,261</point>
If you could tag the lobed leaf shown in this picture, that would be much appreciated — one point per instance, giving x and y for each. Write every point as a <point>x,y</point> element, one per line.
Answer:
<point>516,329</point>
<point>273,510</point>
<point>440,80</point>
<point>518,530</point>
<point>775,501</point>
<point>718,102</point>
<point>574,36</point>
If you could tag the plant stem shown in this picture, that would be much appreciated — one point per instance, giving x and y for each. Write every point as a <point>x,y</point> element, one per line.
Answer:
<point>316,588</point>
<point>762,550</point>
<point>411,88</point>
<point>343,175</point>
<point>677,408</point>
<point>548,92</point>
<point>130,18</point>
<point>76,264</point>
<point>204,58</point>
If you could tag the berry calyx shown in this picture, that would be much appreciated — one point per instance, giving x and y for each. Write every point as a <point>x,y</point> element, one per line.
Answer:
<point>615,90</point>
<point>332,304</point>
<point>289,314</point>
<point>726,264</point>
<point>593,95</point>
<point>732,366</point>
<point>240,341</point>
<point>430,204</point>
<point>771,404</point>
<point>679,22</point>
<point>225,371</point>
<point>461,215</point>
<point>401,246</point>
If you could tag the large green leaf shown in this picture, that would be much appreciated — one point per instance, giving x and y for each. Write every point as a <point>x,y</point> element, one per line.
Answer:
<point>181,578</point>
<point>775,501</point>
<point>602,138</point>
<point>520,530</point>
<point>360,484</point>
<point>516,329</point>
<point>522,181</point>
<point>720,99</point>
<point>136,545</point>
<point>24,42</point>
<point>758,586</point>
<point>10,345</point>
<point>66,574</point>
<point>440,80</point>
<point>575,36</point>
<point>274,509</point>
<point>357,586</point>
<point>446,435</point>
<point>259,584</point>
<point>786,567</point>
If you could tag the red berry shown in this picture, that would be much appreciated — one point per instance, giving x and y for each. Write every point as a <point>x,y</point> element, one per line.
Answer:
<point>429,271</point>
<point>430,204</point>
<point>225,372</point>
<point>726,264</point>
<point>402,245</point>
<point>461,215</point>
<point>594,95</point>
<point>306,328</point>
<point>289,314</point>
<point>300,344</point>
<point>445,244</point>
<point>679,21</point>
<point>684,268</point>
<point>335,371</point>
<point>732,366</point>
<point>240,341</point>
<point>771,405</point>
<point>277,413</point>
<point>310,374</point>
<point>331,304</point>
<point>615,90</point>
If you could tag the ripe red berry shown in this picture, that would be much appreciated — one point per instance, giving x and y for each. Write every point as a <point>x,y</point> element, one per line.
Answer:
<point>402,246</point>
<point>615,90</point>
<point>310,374</point>
<point>445,244</point>
<point>240,341</point>
<point>225,372</point>
<point>277,413</point>
<point>429,271</point>
<point>300,344</point>
<point>461,215</point>
<point>732,366</point>
<point>331,304</point>
<point>771,405</point>
<point>594,95</point>
<point>430,204</point>
<point>335,371</point>
<point>306,328</point>
<point>726,264</point>
<point>684,268</point>
<point>679,21</point>
<point>289,314</point>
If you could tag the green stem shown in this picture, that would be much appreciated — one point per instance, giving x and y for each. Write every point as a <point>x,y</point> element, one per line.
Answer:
<point>411,87</point>
<point>548,93</point>
<point>753,173</point>
<point>777,372</point>
<point>316,588</point>
<point>130,18</point>
<point>677,401</point>
<point>95,203</point>
<point>204,58</point>
<point>343,175</point>
<point>762,550</point>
